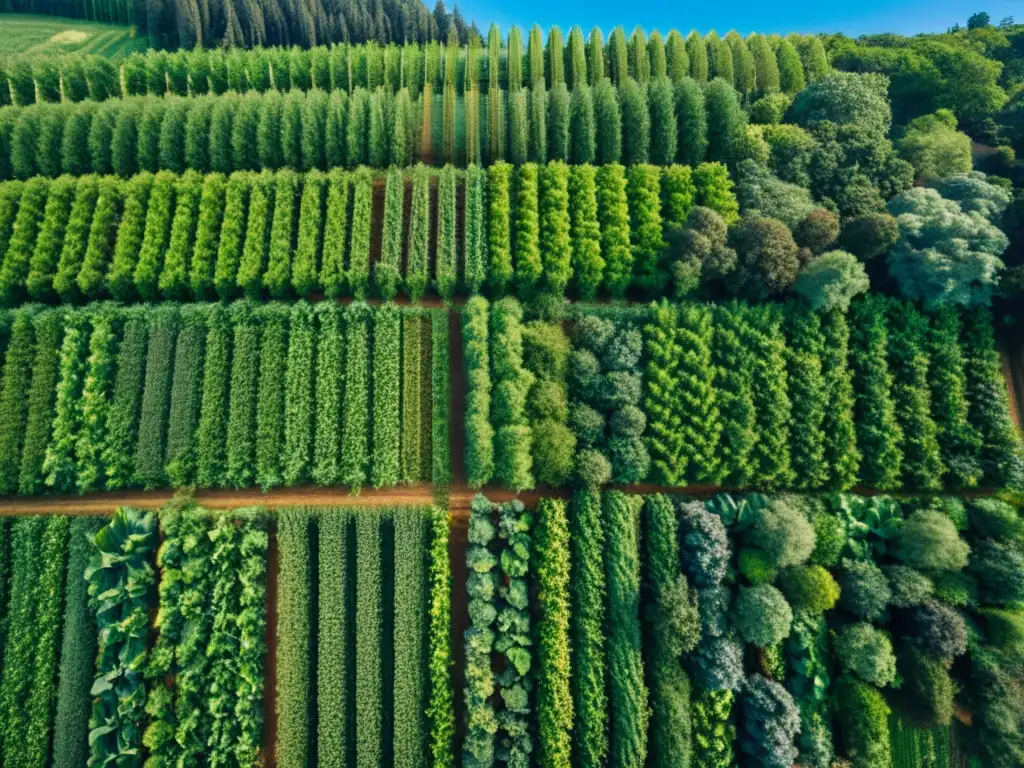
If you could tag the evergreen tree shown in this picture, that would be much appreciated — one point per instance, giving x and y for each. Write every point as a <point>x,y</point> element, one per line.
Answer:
<point>636,122</point>
<point>677,60</point>
<point>726,122</point>
<point>582,133</point>
<point>766,67</point>
<point>697,52</point>
<point>791,70</point>
<point>576,59</point>
<point>607,123</point>
<point>535,56</point>
<point>719,58</point>
<point>555,58</point>
<point>661,102</point>
<point>515,60</point>
<point>639,63</point>
<point>558,123</point>
<point>618,56</point>
<point>691,122</point>
<point>744,73</point>
<point>656,55</point>
<point>595,57</point>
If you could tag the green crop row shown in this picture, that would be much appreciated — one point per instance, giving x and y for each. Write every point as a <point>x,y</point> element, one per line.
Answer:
<point>282,234</point>
<point>221,396</point>
<point>382,661</point>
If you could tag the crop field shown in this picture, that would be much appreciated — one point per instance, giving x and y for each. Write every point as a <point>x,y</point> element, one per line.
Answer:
<point>29,34</point>
<point>384,389</point>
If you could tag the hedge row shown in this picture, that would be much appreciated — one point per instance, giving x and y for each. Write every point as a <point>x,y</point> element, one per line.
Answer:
<point>659,122</point>
<point>222,396</point>
<point>280,234</point>
<point>776,630</point>
<point>504,64</point>
<point>771,396</point>
<point>377,581</point>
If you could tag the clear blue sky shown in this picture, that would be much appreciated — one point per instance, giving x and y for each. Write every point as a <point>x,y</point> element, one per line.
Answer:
<point>852,17</point>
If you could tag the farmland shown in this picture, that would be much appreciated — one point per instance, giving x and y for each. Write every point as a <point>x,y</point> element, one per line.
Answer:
<point>27,34</point>
<point>505,397</point>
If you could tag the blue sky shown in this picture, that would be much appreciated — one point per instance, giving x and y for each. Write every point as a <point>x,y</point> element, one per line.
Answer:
<point>852,18</point>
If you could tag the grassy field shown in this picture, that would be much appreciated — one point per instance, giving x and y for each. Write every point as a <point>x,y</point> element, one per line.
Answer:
<point>23,33</point>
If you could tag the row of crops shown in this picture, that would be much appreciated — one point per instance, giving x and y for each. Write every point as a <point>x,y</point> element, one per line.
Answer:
<point>537,228</point>
<point>751,65</point>
<point>659,122</point>
<point>108,397</point>
<point>146,634</point>
<point>884,396</point>
<point>766,631</point>
<point>87,668</point>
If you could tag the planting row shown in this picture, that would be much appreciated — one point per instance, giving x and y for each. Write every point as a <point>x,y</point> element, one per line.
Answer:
<point>659,122</point>
<point>885,396</point>
<point>753,65</point>
<point>534,228</point>
<point>364,638</point>
<point>768,630</point>
<point>82,685</point>
<point>222,396</point>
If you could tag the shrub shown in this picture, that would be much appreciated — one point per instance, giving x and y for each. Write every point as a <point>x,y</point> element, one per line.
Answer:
<point>240,447</point>
<point>20,247</point>
<point>156,235</point>
<point>252,257</point>
<point>808,390</point>
<point>809,588</point>
<point>831,281</point>
<point>705,545</point>
<point>757,566</point>
<point>329,386</point>
<point>908,586</point>
<point>46,253</point>
<point>94,405</point>
<point>479,431</point>
<point>767,255</point>
<point>151,447</point>
<point>387,271</point>
<point>999,569</point>
<point>59,464</point>
<point>936,629</point>
<point>864,720</point>
<point>995,519</point>
<point>770,456</point>
<point>865,590</point>
<point>866,652</point>
<point>771,723</point>
<point>614,219</point>
<point>717,665</point>
<point>929,540</point>
<point>297,453</point>
<point>841,449</point>
<point>475,241</point>
<point>643,193</point>
<point>336,224</point>
<point>784,533</point>
<point>14,389</point>
<point>554,232</point>
<point>499,251</point>
<point>761,615</point>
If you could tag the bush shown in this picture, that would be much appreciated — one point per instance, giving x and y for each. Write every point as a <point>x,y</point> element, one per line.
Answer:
<point>767,256</point>
<point>771,723</point>
<point>809,588</point>
<point>866,652</point>
<point>831,281</point>
<point>909,587</point>
<point>929,540</point>
<point>386,420</point>
<point>864,720</point>
<point>717,664</point>
<point>705,545</point>
<point>865,590</point>
<point>761,615</point>
<point>928,690</point>
<point>870,235</point>
<point>613,217</point>
<point>757,566</point>
<point>554,234</point>
<point>101,238</point>
<point>936,629</point>
<point>995,519</point>
<point>999,569</point>
<point>643,192</point>
<point>784,533</point>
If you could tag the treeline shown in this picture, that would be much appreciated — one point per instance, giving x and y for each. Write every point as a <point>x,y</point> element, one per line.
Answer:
<point>173,23</point>
<point>768,396</point>
<point>375,663</point>
<point>658,123</point>
<point>536,228</point>
<point>222,396</point>
<point>755,66</point>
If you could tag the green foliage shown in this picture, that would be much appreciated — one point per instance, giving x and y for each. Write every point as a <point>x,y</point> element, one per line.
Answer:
<point>587,620</point>
<point>121,580</point>
<point>386,459</point>
<point>334,657</point>
<point>479,430</point>
<point>294,583</point>
<point>866,652</point>
<point>864,720</point>
<point>643,192</point>
<point>761,615</point>
<point>173,281</point>
<point>240,453</point>
<point>771,723</point>
<point>528,260</point>
<point>96,392</point>
<point>546,354</point>
<point>865,590</point>
<point>152,430</point>
<point>628,691</point>
<point>123,417</point>
<point>614,219</point>
<point>554,227</point>
<point>102,237</point>
<point>587,260</point>
<point>59,465</point>
<point>713,729</point>
<point>299,396</point>
<point>513,462</point>
<point>879,435</point>
<point>18,256</point>
<point>783,532</point>
<point>14,389</point>
<point>48,328</point>
<point>554,699</point>
<point>46,254</point>
<point>186,397</point>
<point>270,398</point>
<point>440,392</point>
<point>156,235</point>
<point>666,592</point>
<point>77,654</point>
<point>278,276</point>
<point>356,413</point>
